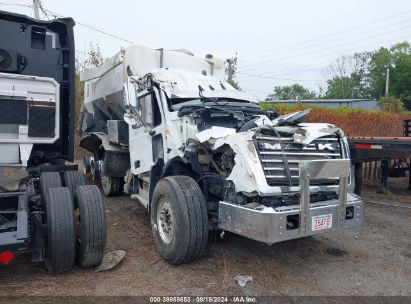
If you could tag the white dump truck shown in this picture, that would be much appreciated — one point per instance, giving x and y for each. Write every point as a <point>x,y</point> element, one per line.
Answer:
<point>166,127</point>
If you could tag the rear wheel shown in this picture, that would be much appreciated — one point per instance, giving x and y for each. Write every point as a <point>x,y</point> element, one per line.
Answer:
<point>61,241</point>
<point>111,185</point>
<point>49,180</point>
<point>90,226</point>
<point>73,179</point>
<point>179,219</point>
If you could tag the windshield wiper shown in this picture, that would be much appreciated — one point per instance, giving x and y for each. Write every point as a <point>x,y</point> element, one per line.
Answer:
<point>215,101</point>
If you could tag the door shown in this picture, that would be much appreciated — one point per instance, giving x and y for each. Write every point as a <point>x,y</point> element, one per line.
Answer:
<point>146,136</point>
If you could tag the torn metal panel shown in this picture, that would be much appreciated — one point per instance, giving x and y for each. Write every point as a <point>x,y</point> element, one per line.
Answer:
<point>214,133</point>
<point>247,173</point>
<point>309,132</point>
<point>295,117</point>
<point>247,168</point>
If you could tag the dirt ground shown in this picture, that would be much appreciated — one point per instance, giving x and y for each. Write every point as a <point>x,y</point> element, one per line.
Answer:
<point>372,260</point>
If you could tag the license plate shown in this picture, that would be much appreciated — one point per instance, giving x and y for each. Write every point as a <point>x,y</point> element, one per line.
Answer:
<point>320,222</point>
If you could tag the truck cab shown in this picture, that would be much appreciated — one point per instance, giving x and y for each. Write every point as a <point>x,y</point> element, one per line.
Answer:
<point>42,194</point>
<point>201,155</point>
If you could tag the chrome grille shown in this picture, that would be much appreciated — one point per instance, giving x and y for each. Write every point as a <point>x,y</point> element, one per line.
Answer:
<point>271,151</point>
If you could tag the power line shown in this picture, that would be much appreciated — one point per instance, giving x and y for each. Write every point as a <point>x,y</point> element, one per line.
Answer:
<point>249,67</point>
<point>328,35</point>
<point>16,4</point>
<point>275,78</point>
<point>91,27</point>
<point>78,22</point>
<point>333,54</point>
<point>257,62</point>
<point>258,91</point>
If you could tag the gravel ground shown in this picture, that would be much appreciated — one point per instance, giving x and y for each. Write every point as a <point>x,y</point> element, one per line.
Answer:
<point>372,260</point>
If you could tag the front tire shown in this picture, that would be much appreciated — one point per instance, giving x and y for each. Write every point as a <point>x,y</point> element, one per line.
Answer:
<point>179,219</point>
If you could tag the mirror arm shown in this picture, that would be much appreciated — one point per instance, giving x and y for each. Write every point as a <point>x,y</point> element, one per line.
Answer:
<point>135,113</point>
<point>149,88</point>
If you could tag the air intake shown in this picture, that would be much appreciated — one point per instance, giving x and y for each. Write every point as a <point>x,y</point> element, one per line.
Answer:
<point>11,61</point>
<point>5,60</point>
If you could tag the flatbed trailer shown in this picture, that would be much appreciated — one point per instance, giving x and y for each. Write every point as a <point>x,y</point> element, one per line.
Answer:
<point>383,149</point>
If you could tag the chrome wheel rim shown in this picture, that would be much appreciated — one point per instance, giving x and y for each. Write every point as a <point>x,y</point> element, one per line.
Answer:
<point>165,221</point>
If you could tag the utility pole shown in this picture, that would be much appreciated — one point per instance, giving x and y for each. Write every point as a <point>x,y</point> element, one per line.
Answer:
<point>230,70</point>
<point>36,4</point>
<point>387,82</point>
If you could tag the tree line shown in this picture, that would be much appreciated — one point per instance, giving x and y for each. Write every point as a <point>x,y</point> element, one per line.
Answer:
<point>361,76</point>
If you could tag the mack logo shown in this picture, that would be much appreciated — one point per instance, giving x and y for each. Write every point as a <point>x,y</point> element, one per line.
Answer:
<point>327,146</point>
<point>268,146</point>
<point>320,146</point>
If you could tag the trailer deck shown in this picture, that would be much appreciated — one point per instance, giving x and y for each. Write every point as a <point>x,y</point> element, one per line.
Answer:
<point>380,149</point>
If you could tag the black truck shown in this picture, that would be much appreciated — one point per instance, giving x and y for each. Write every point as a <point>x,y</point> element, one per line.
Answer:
<point>45,207</point>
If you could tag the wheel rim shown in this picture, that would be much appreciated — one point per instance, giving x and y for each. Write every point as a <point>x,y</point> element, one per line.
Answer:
<point>95,168</point>
<point>165,220</point>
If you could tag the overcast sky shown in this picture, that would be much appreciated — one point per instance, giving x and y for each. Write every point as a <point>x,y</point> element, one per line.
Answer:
<point>284,41</point>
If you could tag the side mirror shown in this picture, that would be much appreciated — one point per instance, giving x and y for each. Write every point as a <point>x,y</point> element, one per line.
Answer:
<point>126,101</point>
<point>129,95</point>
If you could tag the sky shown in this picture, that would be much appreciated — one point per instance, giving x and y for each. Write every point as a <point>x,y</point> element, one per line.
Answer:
<point>277,42</point>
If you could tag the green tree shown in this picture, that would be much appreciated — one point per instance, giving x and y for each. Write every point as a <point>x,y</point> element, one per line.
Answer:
<point>398,60</point>
<point>348,77</point>
<point>363,75</point>
<point>93,59</point>
<point>291,92</point>
<point>380,61</point>
<point>391,104</point>
<point>400,70</point>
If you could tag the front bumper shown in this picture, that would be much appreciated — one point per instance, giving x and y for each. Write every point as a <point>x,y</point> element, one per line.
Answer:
<point>271,225</point>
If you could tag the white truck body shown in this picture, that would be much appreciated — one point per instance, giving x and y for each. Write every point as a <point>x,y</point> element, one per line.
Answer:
<point>266,178</point>
<point>16,141</point>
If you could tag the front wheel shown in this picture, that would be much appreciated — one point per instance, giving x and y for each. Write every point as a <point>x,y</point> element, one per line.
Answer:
<point>179,219</point>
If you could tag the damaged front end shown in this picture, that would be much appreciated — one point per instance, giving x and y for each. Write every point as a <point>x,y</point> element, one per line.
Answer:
<point>283,179</point>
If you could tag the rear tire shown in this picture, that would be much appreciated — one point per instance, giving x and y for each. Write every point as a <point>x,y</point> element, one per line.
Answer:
<point>49,180</point>
<point>61,239</point>
<point>73,179</point>
<point>179,219</point>
<point>111,185</point>
<point>91,226</point>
